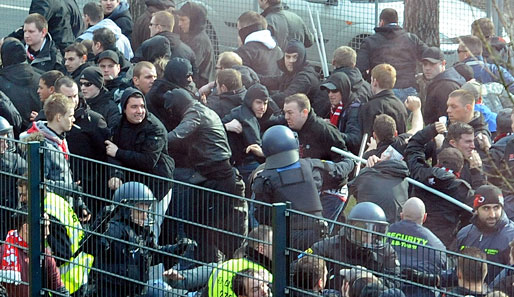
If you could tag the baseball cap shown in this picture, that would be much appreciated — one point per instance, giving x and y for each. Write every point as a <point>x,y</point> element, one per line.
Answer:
<point>433,55</point>
<point>328,85</point>
<point>109,54</point>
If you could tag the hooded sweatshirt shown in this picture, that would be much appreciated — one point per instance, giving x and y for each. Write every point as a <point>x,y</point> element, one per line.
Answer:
<point>121,16</point>
<point>122,42</point>
<point>152,49</point>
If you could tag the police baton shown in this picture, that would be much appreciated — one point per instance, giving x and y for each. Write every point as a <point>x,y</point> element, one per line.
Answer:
<point>410,181</point>
<point>361,151</point>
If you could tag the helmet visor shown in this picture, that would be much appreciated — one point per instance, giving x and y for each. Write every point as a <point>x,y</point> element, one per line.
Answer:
<point>6,143</point>
<point>368,239</point>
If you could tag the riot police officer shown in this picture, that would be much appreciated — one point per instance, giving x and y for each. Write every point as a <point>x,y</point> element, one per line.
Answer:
<point>358,247</point>
<point>123,250</point>
<point>287,178</point>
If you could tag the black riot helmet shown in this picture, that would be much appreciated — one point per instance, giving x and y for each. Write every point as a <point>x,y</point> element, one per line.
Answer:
<point>369,216</point>
<point>280,146</point>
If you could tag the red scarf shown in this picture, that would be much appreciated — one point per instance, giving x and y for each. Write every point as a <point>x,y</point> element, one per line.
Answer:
<point>335,113</point>
<point>10,271</point>
<point>457,174</point>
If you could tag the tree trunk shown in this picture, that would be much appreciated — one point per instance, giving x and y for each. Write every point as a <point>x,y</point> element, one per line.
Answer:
<point>421,17</point>
<point>137,8</point>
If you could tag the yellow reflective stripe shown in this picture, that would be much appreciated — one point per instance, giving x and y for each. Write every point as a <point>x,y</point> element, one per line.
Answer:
<point>220,281</point>
<point>75,273</point>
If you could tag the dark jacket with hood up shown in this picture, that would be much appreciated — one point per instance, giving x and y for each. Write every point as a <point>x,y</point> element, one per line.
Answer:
<point>383,102</point>
<point>393,45</point>
<point>199,42</point>
<point>349,123</point>
<point>121,16</point>
<point>385,185</point>
<point>251,128</point>
<point>175,77</point>
<point>152,49</point>
<point>19,81</point>
<point>201,128</point>
<point>141,30</point>
<point>437,94</point>
<point>64,20</point>
<point>316,137</point>
<point>303,79</point>
<point>360,87</point>
<point>142,147</point>
<point>493,241</point>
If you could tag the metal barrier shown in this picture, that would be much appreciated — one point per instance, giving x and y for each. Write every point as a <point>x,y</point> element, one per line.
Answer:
<point>109,254</point>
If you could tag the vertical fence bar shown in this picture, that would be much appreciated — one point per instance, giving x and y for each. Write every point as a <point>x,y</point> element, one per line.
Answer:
<point>280,237</point>
<point>34,160</point>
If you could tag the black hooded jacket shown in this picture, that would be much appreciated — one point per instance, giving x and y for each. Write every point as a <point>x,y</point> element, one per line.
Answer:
<point>385,185</point>
<point>251,128</point>
<point>303,79</point>
<point>121,16</point>
<point>9,112</point>
<point>437,94</point>
<point>393,45</point>
<point>348,123</point>
<point>383,102</point>
<point>142,147</point>
<point>49,57</point>
<point>360,87</point>
<point>199,42</point>
<point>201,128</point>
<point>19,81</point>
<point>175,77</point>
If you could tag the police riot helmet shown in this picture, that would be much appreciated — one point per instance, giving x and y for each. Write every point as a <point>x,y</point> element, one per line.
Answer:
<point>6,130</point>
<point>369,216</point>
<point>5,126</point>
<point>280,146</point>
<point>134,192</point>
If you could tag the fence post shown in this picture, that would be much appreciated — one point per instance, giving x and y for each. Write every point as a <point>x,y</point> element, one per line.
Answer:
<point>280,237</point>
<point>35,161</point>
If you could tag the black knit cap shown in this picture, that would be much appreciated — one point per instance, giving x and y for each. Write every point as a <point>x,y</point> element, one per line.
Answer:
<point>93,75</point>
<point>487,194</point>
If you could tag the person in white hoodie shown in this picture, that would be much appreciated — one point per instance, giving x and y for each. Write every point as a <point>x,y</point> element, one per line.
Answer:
<point>258,49</point>
<point>94,19</point>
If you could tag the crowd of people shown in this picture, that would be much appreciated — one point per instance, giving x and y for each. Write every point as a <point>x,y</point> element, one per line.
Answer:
<point>154,98</point>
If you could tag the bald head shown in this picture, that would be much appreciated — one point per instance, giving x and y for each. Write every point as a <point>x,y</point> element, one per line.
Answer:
<point>414,210</point>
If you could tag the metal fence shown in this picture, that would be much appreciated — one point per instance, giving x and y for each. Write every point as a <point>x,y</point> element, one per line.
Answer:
<point>108,254</point>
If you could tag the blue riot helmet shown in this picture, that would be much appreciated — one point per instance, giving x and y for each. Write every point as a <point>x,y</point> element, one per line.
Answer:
<point>280,146</point>
<point>369,216</point>
<point>134,194</point>
<point>6,132</point>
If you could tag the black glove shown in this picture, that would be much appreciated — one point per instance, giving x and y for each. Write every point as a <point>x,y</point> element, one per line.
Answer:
<point>420,277</point>
<point>181,246</point>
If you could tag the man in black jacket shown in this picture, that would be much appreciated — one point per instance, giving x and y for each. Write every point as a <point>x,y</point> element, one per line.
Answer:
<point>444,217</point>
<point>75,58</point>
<point>208,154</point>
<point>298,76</point>
<point>315,135</point>
<point>257,48</point>
<point>139,143</point>
<point>42,52</point>
<point>383,78</point>
<point>64,20</point>
<point>18,80</point>
<point>192,19</point>
<point>285,25</point>
<point>391,44</point>
<point>230,92</point>
<point>442,82</point>
<point>97,97</point>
